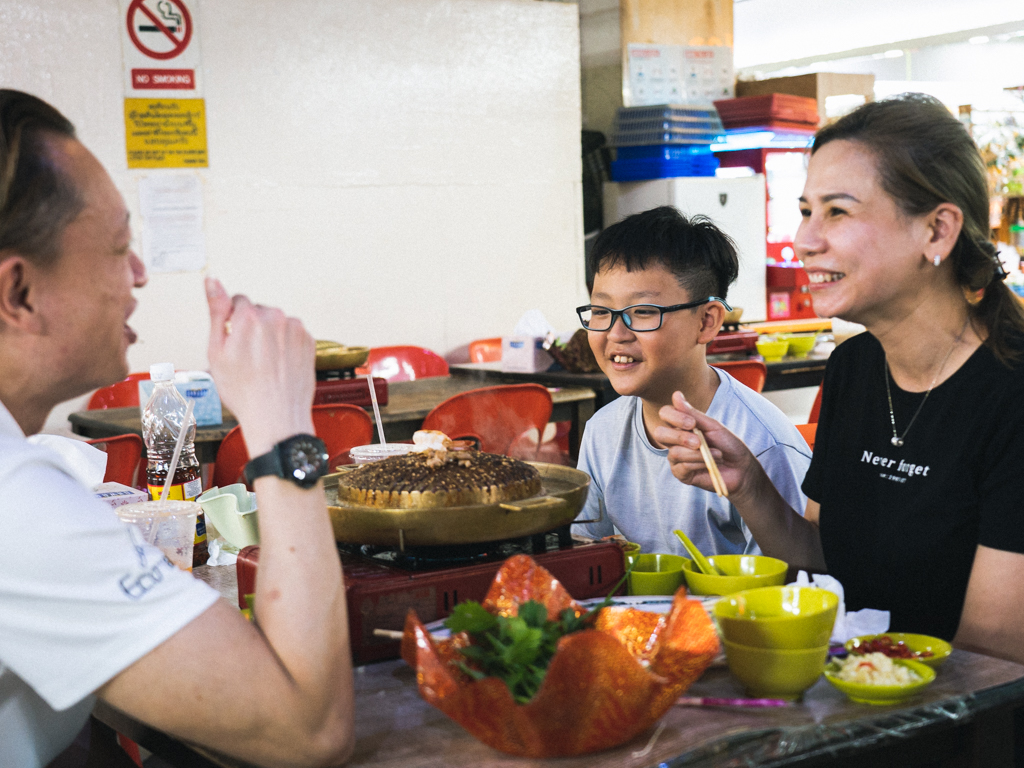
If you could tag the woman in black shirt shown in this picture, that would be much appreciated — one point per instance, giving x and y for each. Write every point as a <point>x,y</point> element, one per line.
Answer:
<point>916,489</point>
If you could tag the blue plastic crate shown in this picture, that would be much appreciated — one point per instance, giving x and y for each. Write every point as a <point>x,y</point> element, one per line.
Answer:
<point>667,112</point>
<point>640,163</point>
<point>638,126</point>
<point>693,153</point>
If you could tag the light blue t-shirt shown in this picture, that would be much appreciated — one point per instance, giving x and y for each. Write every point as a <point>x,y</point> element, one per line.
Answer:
<point>645,502</point>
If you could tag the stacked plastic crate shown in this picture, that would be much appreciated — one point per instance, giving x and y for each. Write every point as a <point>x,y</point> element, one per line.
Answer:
<point>667,140</point>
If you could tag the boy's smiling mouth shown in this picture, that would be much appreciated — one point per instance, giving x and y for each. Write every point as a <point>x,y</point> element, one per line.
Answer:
<point>623,359</point>
<point>817,277</point>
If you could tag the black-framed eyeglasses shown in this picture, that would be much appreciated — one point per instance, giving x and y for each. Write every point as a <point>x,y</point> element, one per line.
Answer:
<point>639,318</point>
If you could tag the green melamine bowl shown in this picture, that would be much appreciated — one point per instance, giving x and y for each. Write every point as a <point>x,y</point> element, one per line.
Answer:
<point>656,574</point>
<point>741,572</point>
<point>939,648</point>
<point>772,350</point>
<point>882,695</point>
<point>775,672</point>
<point>778,617</point>
<point>799,343</point>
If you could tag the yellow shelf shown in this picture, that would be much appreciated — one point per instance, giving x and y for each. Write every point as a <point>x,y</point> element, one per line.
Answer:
<point>806,325</point>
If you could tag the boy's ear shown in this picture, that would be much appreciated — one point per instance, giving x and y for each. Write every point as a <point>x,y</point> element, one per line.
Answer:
<point>710,322</point>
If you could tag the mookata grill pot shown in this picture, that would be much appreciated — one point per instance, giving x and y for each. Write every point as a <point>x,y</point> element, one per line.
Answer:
<point>563,492</point>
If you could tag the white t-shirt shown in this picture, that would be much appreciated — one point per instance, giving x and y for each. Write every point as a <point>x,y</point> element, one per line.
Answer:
<point>645,502</point>
<point>81,599</point>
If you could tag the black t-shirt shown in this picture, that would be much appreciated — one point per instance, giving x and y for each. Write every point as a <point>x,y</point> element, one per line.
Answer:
<point>900,526</point>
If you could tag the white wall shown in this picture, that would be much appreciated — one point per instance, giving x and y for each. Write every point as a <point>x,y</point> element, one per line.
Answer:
<point>391,171</point>
<point>767,31</point>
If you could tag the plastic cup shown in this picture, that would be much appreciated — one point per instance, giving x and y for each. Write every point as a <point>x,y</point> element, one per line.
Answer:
<point>364,454</point>
<point>169,525</point>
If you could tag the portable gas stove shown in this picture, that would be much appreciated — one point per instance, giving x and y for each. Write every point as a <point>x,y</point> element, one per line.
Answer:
<point>382,584</point>
<point>341,386</point>
<point>732,340</point>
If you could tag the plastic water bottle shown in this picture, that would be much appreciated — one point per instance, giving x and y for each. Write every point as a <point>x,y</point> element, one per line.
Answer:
<point>161,422</point>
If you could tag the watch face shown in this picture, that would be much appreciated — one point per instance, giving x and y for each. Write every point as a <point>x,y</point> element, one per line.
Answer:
<point>305,459</point>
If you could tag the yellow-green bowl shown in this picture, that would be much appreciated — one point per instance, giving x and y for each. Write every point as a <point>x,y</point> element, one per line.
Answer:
<point>775,672</point>
<point>799,343</point>
<point>940,648</point>
<point>778,617</point>
<point>772,350</point>
<point>741,572</point>
<point>656,574</point>
<point>883,695</point>
<point>630,550</point>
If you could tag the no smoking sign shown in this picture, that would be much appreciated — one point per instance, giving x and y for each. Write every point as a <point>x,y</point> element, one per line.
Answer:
<point>160,43</point>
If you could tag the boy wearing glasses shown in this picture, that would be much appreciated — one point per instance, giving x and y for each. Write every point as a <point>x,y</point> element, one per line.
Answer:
<point>658,298</point>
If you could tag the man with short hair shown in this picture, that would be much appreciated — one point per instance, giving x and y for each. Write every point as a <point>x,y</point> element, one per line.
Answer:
<point>169,652</point>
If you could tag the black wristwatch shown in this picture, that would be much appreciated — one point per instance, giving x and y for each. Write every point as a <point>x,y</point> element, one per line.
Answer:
<point>301,459</point>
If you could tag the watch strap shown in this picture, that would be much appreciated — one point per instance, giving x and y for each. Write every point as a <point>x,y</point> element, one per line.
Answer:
<point>273,462</point>
<point>268,463</point>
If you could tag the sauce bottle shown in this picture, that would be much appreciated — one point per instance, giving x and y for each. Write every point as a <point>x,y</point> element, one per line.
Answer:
<point>161,422</point>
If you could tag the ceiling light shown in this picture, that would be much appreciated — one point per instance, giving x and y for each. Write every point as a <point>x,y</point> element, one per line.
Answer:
<point>979,40</point>
<point>893,54</point>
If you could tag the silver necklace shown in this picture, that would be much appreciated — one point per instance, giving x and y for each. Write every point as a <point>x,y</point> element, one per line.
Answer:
<point>897,439</point>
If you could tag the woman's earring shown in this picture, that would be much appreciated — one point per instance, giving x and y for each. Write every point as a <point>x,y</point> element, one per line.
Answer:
<point>937,259</point>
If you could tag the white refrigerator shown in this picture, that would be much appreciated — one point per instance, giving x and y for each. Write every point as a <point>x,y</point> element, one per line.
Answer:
<point>736,206</point>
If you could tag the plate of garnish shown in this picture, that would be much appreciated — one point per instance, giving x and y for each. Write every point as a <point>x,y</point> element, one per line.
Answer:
<point>902,645</point>
<point>874,678</point>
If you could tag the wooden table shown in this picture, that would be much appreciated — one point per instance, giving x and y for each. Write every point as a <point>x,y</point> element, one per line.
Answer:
<point>408,404</point>
<point>788,373</point>
<point>962,719</point>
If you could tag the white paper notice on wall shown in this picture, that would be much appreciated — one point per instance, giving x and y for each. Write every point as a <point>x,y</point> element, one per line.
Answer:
<point>160,48</point>
<point>677,74</point>
<point>172,222</point>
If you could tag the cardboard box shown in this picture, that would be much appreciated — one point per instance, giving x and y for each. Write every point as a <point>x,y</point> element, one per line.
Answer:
<point>117,495</point>
<point>524,354</point>
<point>818,85</point>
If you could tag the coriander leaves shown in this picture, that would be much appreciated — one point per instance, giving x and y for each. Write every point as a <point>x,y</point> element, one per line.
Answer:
<point>518,648</point>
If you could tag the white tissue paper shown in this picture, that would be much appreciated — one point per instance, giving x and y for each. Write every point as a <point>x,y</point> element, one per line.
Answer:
<point>221,553</point>
<point>86,463</point>
<point>523,351</point>
<point>533,323</point>
<point>867,621</point>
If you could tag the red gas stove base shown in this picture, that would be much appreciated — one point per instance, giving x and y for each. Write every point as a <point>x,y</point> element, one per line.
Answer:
<point>380,594</point>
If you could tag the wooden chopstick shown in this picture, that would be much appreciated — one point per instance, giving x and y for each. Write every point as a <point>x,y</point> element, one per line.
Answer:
<point>392,634</point>
<point>709,462</point>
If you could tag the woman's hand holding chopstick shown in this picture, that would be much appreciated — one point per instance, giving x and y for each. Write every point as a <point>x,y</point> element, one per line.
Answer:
<point>778,529</point>
<point>699,447</point>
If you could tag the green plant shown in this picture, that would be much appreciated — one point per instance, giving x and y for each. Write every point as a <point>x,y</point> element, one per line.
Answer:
<point>517,649</point>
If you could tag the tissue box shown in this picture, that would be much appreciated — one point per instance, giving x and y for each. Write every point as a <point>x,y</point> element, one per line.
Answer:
<point>524,354</point>
<point>193,385</point>
<point>117,495</point>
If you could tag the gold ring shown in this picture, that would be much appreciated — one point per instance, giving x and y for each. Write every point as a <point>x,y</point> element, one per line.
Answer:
<point>227,327</point>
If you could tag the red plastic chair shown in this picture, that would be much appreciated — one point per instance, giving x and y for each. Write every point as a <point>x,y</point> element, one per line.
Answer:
<point>808,431</point>
<point>120,395</point>
<point>404,363</point>
<point>342,427</point>
<point>124,456</point>
<point>816,408</point>
<point>494,416</point>
<point>232,456</point>
<point>750,372</point>
<point>485,350</point>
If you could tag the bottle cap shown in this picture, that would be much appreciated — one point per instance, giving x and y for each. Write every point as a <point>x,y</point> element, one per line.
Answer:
<point>161,371</point>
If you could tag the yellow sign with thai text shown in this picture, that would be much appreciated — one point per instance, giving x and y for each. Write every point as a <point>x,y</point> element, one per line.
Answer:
<point>165,133</point>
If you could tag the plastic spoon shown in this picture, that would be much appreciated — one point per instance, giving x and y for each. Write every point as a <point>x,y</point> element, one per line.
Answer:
<point>702,562</point>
